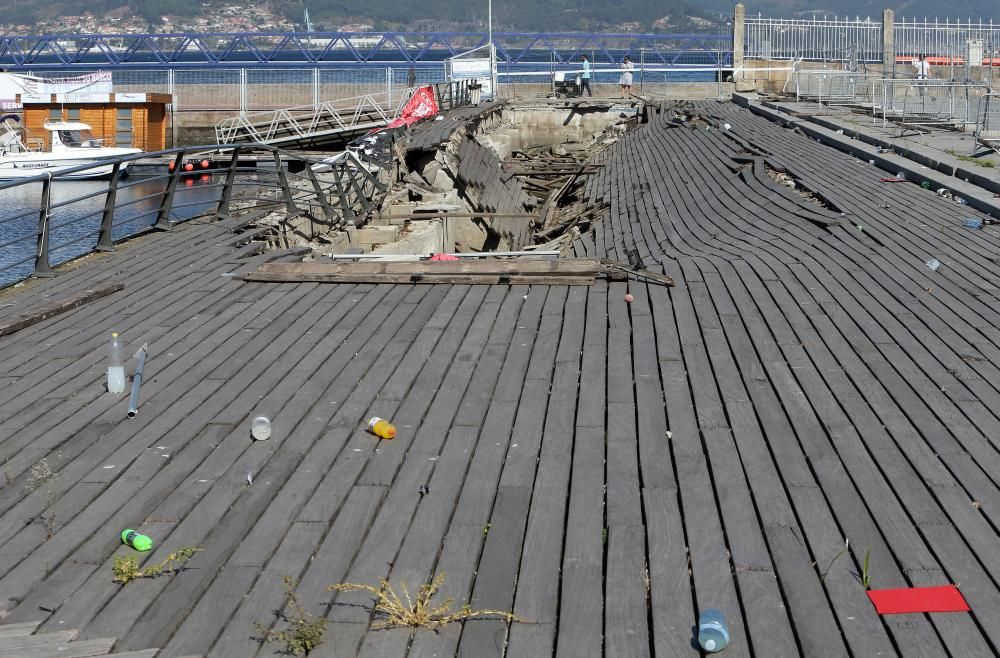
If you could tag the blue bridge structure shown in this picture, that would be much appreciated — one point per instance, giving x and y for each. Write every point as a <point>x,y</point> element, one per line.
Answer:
<point>328,49</point>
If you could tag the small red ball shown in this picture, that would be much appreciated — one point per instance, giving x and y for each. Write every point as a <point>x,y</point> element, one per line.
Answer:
<point>189,167</point>
<point>205,164</point>
<point>629,298</point>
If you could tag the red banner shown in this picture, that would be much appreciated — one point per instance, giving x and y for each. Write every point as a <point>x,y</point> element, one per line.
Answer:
<point>420,106</point>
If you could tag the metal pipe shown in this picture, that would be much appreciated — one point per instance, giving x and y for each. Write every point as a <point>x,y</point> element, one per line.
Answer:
<point>133,400</point>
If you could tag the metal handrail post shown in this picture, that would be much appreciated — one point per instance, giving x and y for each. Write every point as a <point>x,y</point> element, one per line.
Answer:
<point>222,212</point>
<point>345,206</point>
<point>104,242</point>
<point>321,196</point>
<point>286,190</point>
<point>42,268</point>
<point>163,216</point>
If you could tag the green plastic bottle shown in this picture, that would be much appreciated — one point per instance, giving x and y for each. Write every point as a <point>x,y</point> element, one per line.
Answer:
<point>139,542</point>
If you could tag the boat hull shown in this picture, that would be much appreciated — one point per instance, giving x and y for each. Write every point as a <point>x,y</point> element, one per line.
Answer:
<point>13,167</point>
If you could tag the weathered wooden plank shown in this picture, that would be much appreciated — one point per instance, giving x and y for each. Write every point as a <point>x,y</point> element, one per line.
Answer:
<point>497,572</point>
<point>56,308</point>
<point>627,583</point>
<point>52,648</point>
<point>8,630</point>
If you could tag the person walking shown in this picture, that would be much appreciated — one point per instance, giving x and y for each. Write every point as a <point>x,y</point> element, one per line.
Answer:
<point>585,78</point>
<point>625,81</point>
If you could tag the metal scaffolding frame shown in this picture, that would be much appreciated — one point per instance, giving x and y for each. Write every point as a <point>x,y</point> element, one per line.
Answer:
<point>988,122</point>
<point>921,104</point>
<point>832,87</point>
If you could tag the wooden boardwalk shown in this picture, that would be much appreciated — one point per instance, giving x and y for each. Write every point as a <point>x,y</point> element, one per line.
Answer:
<point>605,470</point>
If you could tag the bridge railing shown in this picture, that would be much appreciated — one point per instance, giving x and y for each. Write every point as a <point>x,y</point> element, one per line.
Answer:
<point>307,49</point>
<point>56,218</point>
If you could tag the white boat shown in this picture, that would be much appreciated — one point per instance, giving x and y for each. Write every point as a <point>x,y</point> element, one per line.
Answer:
<point>72,145</point>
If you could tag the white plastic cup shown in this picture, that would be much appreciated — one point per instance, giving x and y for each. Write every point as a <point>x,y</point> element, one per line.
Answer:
<point>260,428</point>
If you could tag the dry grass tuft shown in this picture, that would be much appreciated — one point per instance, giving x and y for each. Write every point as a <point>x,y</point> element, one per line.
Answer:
<point>126,567</point>
<point>304,632</point>
<point>419,612</point>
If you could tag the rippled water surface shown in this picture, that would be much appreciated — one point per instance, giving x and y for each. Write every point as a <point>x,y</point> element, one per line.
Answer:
<point>75,216</point>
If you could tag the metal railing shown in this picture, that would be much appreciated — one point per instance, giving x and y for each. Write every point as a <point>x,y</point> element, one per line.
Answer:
<point>944,38</point>
<point>360,113</point>
<point>346,116</point>
<point>861,40</point>
<point>63,224</point>
<point>450,95</point>
<point>828,40</point>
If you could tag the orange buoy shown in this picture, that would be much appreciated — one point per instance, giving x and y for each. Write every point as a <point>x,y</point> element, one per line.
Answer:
<point>170,166</point>
<point>205,164</point>
<point>189,167</point>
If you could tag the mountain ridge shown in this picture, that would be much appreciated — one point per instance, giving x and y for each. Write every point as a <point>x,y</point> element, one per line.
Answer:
<point>670,16</point>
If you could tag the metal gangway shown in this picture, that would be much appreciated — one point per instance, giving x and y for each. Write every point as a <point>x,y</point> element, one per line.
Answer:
<point>308,125</point>
<point>335,121</point>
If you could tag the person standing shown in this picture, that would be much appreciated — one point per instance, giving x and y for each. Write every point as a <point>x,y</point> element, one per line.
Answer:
<point>626,78</point>
<point>585,78</point>
<point>922,66</point>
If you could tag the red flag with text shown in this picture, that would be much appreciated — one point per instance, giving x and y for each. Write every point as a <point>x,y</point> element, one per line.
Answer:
<point>420,106</point>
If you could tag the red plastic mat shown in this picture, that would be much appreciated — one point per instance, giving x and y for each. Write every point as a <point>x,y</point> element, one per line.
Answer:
<point>918,599</point>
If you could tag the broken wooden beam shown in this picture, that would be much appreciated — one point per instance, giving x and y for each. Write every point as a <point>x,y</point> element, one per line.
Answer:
<point>567,272</point>
<point>564,272</point>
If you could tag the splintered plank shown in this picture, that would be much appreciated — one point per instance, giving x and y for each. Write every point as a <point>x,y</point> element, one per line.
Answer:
<point>481,272</point>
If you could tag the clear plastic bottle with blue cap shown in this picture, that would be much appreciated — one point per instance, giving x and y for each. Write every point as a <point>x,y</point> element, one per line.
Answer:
<point>713,633</point>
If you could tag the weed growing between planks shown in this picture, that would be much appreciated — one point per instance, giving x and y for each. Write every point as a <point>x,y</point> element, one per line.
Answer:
<point>42,475</point>
<point>304,632</point>
<point>866,576</point>
<point>126,567</point>
<point>420,612</point>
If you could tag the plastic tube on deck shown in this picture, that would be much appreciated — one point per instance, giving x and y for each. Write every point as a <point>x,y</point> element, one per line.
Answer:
<point>133,400</point>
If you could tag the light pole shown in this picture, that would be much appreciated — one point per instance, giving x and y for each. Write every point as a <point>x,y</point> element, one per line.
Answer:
<point>493,59</point>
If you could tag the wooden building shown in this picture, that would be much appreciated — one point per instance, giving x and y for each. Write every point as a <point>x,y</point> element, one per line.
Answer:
<point>127,120</point>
